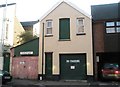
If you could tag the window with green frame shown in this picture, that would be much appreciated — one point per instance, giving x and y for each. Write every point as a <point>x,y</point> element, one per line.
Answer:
<point>64,29</point>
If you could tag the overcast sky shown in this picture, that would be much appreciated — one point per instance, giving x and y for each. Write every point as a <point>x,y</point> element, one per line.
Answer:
<point>31,10</point>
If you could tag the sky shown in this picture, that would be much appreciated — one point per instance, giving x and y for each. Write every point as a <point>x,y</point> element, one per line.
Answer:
<point>32,10</point>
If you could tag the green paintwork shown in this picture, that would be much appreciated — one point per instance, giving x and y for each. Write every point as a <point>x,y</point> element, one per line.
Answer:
<point>73,66</point>
<point>32,45</point>
<point>6,63</point>
<point>48,65</point>
<point>64,28</point>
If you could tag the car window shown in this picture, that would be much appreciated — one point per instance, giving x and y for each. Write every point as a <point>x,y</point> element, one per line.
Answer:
<point>111,66</point>
<point>1,71</point>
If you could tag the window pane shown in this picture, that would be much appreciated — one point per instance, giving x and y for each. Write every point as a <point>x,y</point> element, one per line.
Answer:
<point>81,29</point>
<point>49,30</point>
<point>110,24</point>
<point>49,24</point>
<point>118,29</point>
<point>80,22</point>
<point>118,23</point>
<point>110,30</point>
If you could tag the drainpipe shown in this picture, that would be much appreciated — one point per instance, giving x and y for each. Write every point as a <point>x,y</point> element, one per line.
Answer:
<point>43,52</point>
<point>94,54</point>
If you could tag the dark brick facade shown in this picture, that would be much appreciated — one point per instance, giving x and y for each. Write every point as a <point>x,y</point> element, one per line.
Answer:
<point>98,31</point>
<point>106,45</point>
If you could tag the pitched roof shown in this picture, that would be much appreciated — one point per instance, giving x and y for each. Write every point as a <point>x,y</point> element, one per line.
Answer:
<point>105,11</point>
<point>29,23</point>
<point>4,5</point>
<point>67,2</point>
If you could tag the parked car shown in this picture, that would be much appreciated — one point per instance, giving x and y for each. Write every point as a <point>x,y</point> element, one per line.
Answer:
<point>111,71</point>
<point>5,76</point>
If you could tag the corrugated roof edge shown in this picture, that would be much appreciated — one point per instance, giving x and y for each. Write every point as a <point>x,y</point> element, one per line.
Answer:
<point>25,43</point>
<point>69,3</point>
<point>26,23</point>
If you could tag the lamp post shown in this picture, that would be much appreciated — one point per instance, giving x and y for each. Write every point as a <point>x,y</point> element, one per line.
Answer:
<point>3,33</point>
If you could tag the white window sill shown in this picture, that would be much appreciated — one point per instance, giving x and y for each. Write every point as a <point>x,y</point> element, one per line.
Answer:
<point>49,35</point>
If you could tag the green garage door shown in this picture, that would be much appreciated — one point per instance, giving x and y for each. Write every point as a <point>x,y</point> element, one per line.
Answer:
<point>73,66</point>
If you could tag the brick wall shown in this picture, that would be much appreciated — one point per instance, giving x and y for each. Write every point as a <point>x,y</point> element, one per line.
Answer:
<point>98,30</point>
<point>25,67</point>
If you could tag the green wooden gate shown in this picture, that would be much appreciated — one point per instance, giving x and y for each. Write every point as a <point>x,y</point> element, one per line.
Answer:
<point>6,63</point>
<point>73,66</point>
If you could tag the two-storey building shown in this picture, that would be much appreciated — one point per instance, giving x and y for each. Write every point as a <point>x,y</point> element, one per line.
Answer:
<point>65,51</point>
<point>106,32</point>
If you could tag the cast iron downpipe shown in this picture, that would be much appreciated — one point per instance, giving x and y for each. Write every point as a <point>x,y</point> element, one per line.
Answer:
<point>43,52</point>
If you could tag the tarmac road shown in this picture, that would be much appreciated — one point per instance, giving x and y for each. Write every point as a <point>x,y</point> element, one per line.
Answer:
<point>37,83</point>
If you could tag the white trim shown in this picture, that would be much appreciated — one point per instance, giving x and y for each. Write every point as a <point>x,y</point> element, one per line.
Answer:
<point>67,2</point>
<point>78,9</point>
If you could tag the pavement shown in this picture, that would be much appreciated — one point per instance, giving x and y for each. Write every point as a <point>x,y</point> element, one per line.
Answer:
<point>38,83</point>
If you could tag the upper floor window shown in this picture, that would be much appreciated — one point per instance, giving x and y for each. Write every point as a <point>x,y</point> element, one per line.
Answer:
<point>118,29</point>
<point>64,29</point>
<point>118,26</point>
<point>113,27</point>
<point>110,24</point>
<point>110,30</point>
<point>49,27</point>
<point>80,25</point>
<point>118,23</point>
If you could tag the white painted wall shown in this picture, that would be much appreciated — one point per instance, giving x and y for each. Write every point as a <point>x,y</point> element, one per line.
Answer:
<point>10,14</point>
<point>1,63</point>
<point>36,29</point>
